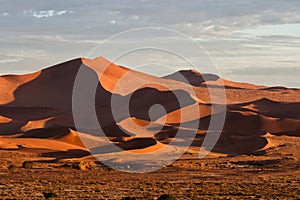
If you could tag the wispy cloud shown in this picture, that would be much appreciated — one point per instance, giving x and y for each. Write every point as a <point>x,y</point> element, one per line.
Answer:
<point>266,71</point>
<point>46,13</point>
<point>236,33</point>
<point>237,24</point>
<point>4,14</point>
<point>23,53</point>
<point>57,38</point>
<point>4,61</point>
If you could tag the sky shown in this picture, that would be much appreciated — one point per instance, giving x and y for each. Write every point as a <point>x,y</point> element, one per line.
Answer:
<point>249,40</point>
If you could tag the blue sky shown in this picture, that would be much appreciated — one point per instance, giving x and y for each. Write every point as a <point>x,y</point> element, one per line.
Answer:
<point>250,40</point>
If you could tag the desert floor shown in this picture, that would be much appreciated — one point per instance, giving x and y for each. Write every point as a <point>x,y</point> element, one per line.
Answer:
<point>275,176</point>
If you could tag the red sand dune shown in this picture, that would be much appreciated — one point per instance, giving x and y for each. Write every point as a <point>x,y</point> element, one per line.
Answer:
<point>37,108</point>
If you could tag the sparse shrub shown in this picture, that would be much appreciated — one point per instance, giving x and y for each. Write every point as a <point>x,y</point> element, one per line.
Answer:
<point>27,164</point>
<point>49,195</point>
<point>79,165</point>
<point>166,197</point>
<point>12,168</point>
<point>83,165</point>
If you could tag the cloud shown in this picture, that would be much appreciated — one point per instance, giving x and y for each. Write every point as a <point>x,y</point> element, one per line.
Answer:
<point>57,38</point>
<point>46,13</point>
<point>113,21</point>
<point>237,24</point>
<point>23,53</point>
<point>266,71</point>
<point>221,26</point>
<point>4,61</point>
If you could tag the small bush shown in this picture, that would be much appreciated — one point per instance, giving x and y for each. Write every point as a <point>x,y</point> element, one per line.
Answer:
<point>79,165</point>
<point>49,195</point>
<point>83,165</point>
<point>166,197</point>
<point>27,164</point>
<point>12,168</point>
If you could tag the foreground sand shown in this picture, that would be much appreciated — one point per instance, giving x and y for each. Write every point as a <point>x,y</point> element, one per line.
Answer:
<point>257,155</point>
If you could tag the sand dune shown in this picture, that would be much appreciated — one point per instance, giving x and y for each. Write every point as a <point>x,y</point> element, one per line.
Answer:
<point>197,79</point>
<point>37,108</point>
<point>271,108</point>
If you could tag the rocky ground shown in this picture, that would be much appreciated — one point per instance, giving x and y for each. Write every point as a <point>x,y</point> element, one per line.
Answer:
<point>240,177</point>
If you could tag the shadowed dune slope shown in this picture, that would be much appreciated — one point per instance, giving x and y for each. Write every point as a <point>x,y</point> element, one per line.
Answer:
<point>139,112</point>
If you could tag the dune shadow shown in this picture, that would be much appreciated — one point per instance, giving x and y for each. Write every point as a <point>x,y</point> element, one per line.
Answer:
<point>61,155</point>
<point>272,108</point>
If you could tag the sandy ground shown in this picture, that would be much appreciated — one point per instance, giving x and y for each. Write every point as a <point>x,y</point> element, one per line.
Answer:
<point>276,176</point>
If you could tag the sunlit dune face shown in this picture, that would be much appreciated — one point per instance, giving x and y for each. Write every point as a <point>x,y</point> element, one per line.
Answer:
<point>10,83</point>
<point>4,119</point>
<point>38,105</point>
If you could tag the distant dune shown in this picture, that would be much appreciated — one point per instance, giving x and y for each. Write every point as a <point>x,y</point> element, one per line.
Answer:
<point>36,109</point>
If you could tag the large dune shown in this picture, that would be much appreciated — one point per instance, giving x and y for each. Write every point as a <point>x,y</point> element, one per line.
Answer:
<point>36,109</point>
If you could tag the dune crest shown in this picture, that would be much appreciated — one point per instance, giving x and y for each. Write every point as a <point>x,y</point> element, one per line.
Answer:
<point>37,108</point>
